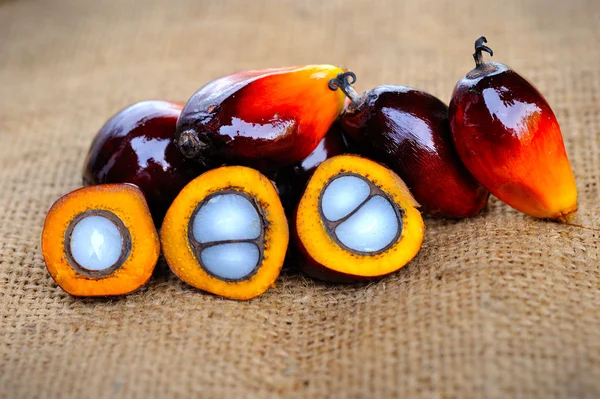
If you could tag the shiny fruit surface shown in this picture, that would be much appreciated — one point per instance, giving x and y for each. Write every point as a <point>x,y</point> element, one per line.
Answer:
<point>408,130</point>
<point>508,137</point>
<point>265,119</point>
<point>136,146</point>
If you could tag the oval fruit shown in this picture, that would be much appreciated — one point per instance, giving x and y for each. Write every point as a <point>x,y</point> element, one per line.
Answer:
<point>508,137</point>
<point>408,130</point>
<point>226,233</point>
<point>265,119</point>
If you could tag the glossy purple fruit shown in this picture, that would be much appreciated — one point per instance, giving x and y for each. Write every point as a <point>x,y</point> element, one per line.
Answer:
<point>136,146</point>
<point>408,130</point>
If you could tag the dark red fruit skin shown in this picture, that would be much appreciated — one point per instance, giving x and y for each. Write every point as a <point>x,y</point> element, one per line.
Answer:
<point>291,180</point>
<point>408,130</point>
<point>136,146</point>
<point>507,134</point>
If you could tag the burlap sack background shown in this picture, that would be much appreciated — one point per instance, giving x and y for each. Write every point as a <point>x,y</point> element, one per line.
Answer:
<point>497,306</point>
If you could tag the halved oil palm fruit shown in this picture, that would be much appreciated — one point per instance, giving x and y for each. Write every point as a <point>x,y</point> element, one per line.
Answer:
<point>100,241</point>
<point>356,220</point>
<point>226,233</point>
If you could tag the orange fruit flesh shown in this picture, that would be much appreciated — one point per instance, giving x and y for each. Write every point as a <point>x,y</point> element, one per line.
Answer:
<point>180,253</point>
<point>127,203</point>
<point>326,259</point>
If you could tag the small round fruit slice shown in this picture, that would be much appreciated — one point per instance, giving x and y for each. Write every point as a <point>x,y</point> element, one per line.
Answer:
<point>356,220</point>
<point>100,241</point>
<point>226,233</point>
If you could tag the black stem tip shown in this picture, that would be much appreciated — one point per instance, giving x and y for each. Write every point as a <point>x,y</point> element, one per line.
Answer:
<point>479,48</point>
<point>343,79</point>
<point>344,82</point>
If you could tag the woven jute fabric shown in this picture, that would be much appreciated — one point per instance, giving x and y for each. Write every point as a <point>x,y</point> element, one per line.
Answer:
<point>496,306</point>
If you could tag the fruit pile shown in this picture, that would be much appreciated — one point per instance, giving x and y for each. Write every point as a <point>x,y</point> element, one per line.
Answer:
<point>220,177</point>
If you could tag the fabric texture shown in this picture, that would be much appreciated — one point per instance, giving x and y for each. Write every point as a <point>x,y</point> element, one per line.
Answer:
<point>496,306</point>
